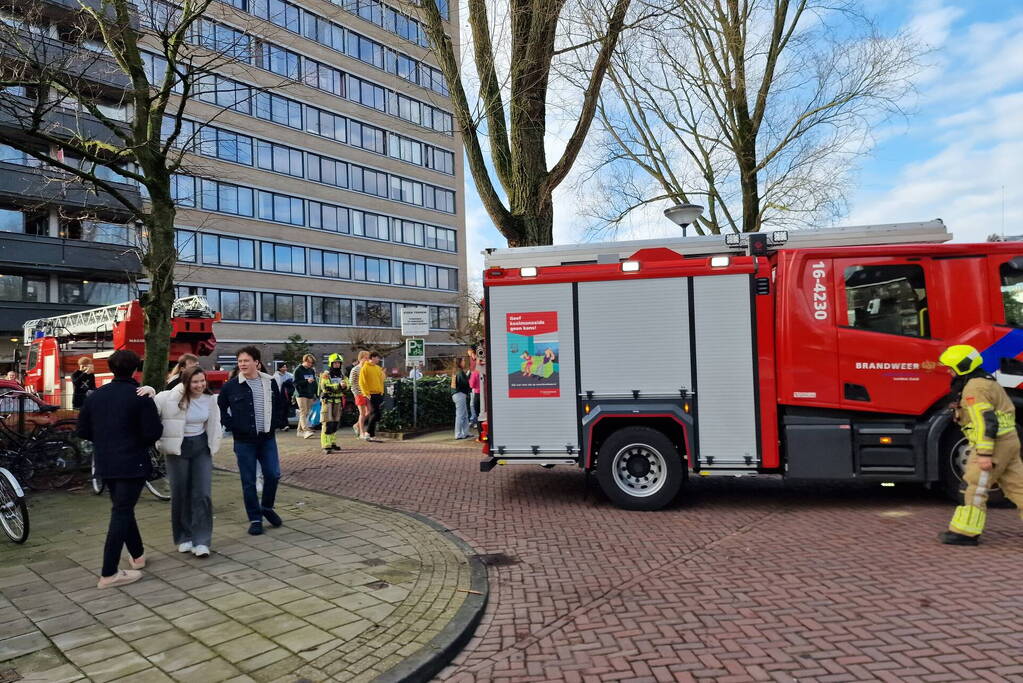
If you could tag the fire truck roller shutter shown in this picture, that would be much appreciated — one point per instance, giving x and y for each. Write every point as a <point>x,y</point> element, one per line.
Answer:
<point>532,370</point>
<point>634,335</point>
<point>726,389</point>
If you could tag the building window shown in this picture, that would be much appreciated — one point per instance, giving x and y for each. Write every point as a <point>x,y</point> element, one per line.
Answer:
<point>227,251</point>
<point>233,305</point>
<point>96,231</point>
<point>328,171</point>
<point>226,198</point>
<point>222,144</point>
<point>281,258</point>
<point>373,314</point>
<point>23,288</point>
<point>281,208</point>
<point>329,311</point>
<point>25,222</point>
<point>328,217</point>
<point>184,243</point>
<point>279,158</point>
<point>94,293</point>
<point>282,110</point>
<point>443,318</point>
<point>890,299</point>
<point>283,308</point>
<point>329,264</point>
<point>370,269</point>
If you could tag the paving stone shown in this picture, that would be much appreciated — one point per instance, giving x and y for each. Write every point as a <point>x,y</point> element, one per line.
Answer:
<point>97,652</point>
<point>221,633</point>
<point>142,628</point>
<point>116,667</point>
<point>82,636</point>
<point>243,648</point>
<point>22,645</point>
<point>332,618</point>
<point>195,621</point>
<point>161,642</point>
<point>261,661</point>
<point>276,625</point>
<point>306,606</point>
<point>306,637</point>
<point>213,671</point>
<point>124,616</point>
<point>182,656</point>
<point>257,611</point>
<point>231,601</point>
<point>151,675</point>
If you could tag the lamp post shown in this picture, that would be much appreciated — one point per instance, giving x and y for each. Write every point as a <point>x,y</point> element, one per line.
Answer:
<point>684,215</point>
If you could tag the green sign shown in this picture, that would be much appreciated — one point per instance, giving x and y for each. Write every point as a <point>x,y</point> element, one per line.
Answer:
<point>415,350</point>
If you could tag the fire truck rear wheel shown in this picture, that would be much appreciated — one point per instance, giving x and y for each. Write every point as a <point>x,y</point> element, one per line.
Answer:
<point>953,456</point>
<point>639,469</point>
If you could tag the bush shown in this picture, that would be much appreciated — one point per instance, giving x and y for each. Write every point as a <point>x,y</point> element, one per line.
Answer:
<point>436,408</point>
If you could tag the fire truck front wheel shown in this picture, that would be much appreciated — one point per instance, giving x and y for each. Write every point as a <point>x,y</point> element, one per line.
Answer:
<point>639,469</point>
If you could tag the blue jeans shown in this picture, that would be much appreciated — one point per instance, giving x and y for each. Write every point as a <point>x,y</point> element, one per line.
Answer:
<point>265,452</point>
<point>461,415</point>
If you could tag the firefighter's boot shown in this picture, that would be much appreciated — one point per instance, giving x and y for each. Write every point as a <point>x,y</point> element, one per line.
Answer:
<point>328,437</point>
<point>953,538</point>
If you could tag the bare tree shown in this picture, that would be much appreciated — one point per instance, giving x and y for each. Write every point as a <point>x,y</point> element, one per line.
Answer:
<point>469,331</point>
<point>100,100</point>
<point>503,101</point>
<point>756,109</point>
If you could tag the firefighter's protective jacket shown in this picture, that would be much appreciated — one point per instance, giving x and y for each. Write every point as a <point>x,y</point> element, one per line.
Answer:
<point>331,387</point>
<point>985,413</point>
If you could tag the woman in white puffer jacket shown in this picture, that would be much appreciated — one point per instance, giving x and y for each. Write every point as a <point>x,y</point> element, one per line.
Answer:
<point>191,435</point>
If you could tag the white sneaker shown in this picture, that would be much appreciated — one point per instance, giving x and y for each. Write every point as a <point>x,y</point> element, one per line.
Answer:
<point>185,547</point>
<point>364,437</point>
<point>308,435</point>
<point>201,551</point>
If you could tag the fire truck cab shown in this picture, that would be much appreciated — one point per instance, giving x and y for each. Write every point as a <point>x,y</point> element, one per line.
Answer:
<point>55,344</point>
<point>807,354</point>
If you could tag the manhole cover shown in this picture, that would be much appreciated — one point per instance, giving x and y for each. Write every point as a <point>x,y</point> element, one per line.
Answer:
<point>498,559</point>
<point>9,676</point>
<point>377,585</point>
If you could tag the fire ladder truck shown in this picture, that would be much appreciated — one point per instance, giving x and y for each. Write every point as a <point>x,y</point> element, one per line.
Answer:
<point>810,355</point>
<point>56,344</point>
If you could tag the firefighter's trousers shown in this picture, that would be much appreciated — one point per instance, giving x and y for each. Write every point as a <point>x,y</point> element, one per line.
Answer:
<point>1007,473</point>
<point>330,416</point>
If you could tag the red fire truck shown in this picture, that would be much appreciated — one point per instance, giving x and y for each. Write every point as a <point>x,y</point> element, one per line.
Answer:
<point>807,354</point>
<point>55,344</point>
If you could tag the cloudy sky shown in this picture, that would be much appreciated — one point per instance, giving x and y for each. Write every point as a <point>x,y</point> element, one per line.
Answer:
<point>956,154</point>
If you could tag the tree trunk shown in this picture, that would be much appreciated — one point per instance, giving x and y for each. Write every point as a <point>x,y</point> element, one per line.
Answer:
<point>159,261</point>
<point>534,225</point>
<point>747,163</point>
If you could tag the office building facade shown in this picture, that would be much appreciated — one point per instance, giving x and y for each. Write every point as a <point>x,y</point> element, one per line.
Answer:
<point>323,189</point>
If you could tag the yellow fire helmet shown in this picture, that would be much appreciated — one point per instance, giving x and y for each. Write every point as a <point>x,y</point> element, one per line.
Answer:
<point>962,358</point>
<point>335,358</point>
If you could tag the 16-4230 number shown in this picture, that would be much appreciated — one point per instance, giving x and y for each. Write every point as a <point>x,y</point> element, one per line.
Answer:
<point>820,291</point>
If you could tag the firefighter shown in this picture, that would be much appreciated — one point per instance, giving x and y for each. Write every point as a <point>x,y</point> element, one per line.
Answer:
<point>988,420</point>
<point>332,401</point>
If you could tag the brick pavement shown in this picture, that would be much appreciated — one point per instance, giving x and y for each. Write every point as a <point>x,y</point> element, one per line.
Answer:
<point>344,591</point>
<point>742,579</point>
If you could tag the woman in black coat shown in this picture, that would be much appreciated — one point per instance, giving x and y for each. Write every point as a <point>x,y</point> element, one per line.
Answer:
<point>83,382</point>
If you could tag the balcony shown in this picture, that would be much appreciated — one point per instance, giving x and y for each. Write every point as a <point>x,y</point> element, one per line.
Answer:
<point>30,186</point>
<point>57,121</point>
<point>31,253</point>
<point>90,70</point>
<point>14,314</point>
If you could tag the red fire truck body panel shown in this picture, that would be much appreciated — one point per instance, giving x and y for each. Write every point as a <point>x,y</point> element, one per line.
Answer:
<point>843,380</point>
<point>55,348</point>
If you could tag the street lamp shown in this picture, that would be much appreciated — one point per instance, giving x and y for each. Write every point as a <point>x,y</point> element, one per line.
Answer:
<point>684,215</point>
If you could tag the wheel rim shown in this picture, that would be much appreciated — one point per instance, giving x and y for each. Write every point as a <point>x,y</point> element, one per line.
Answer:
<point>10,511</point>
<point>639,470</point>
<point>958,455</point>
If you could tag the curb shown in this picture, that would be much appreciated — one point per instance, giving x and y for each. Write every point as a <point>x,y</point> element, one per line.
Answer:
<point>442,649</point>
<point>425,663</point>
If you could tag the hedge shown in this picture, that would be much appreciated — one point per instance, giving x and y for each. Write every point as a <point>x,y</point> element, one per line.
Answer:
<point>436,409</point>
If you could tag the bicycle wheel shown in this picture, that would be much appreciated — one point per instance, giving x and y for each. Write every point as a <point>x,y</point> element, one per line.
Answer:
<point>97,484</point>
<point>13,511</point>
<point>160,485</point>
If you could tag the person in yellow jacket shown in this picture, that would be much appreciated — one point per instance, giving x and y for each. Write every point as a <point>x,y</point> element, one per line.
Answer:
<point>332,401</point>
<point>371,384</point>
<point>988,419</point>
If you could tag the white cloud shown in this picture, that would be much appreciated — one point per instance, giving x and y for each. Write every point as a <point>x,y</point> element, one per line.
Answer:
<point>971,127</point>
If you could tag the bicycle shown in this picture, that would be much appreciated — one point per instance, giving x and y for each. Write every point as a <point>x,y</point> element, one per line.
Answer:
<point>159,485</point>
<point>52,444</point>
<point>13,510</point>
